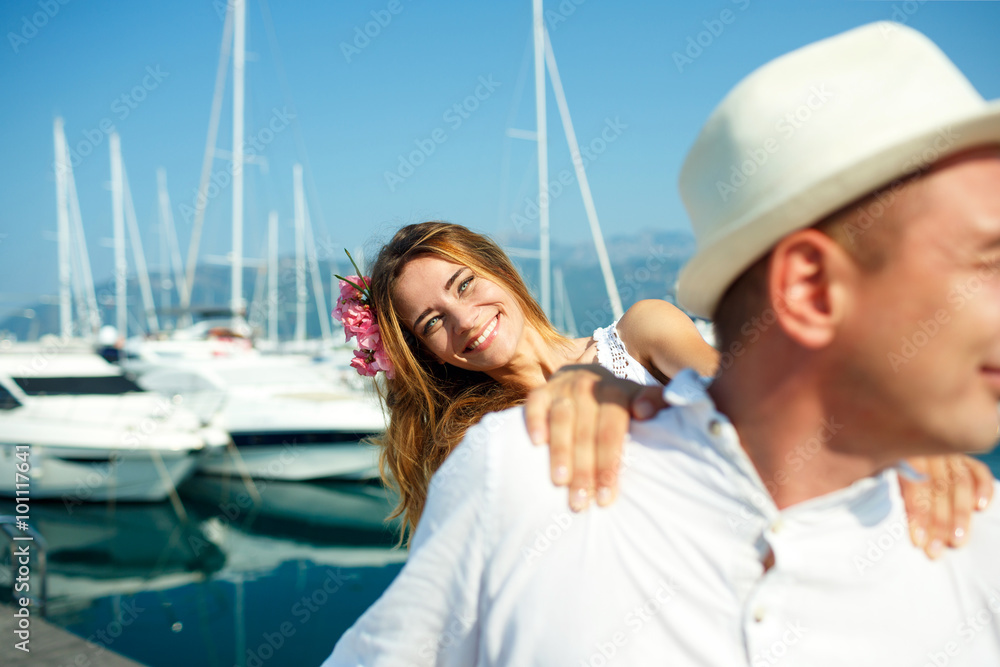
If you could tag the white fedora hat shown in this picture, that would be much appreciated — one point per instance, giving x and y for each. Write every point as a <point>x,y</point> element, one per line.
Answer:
<point>812,131</point>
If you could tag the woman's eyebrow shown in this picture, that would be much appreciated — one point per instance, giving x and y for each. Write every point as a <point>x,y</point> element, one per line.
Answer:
<point>447,287</point>
<point>451,281</point>
<point>421,316</point>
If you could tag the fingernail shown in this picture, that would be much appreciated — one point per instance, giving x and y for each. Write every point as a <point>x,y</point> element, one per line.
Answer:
<point>935,549</point>
<point>959,536</point>
<point>919,536</point>
<point>603,496</point>
<point>579,500</point>
<point>537,437</point>
<point>561,475</point>
<point>644,409</point>
<point>982,503</point>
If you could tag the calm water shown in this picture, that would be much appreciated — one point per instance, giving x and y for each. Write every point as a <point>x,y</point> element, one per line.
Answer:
<point>237,582</point>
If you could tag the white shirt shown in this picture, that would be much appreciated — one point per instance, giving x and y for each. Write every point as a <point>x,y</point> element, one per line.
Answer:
<point>501,573</point>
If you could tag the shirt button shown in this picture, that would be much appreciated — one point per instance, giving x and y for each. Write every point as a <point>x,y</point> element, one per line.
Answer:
<point>777,526</point>
<point>758,614</point>
<point>715,427</point>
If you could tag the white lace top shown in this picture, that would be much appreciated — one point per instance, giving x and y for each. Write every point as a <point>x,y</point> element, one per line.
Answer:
<point>611,354</point>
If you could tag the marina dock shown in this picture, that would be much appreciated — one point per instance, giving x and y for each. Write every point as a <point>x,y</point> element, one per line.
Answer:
<point>52,646</point>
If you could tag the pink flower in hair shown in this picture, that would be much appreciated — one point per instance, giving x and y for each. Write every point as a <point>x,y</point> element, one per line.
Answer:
<point>348,289</point>
<point>369,339</point>
<point>362,364</point>
<point>338,310</point>
<point>354,310</point>
<point>349,296</point>
<point>382,363</point>
<point>357,319</point>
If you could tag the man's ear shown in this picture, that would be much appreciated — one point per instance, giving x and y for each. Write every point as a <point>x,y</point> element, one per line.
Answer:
<point>807,284</point>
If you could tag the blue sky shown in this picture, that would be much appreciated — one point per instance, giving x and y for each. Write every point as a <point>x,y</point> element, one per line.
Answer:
<point>148,68</point>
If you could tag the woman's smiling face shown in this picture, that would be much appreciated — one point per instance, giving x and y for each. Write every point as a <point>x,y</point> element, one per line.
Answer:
<point>462,318</point>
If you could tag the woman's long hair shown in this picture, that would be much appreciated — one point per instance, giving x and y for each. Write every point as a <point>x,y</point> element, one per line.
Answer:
<point>430,404</point>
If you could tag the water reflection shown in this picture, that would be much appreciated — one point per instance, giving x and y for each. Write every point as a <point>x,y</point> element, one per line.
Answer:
<point>321,513</point>
<point>270,575</point>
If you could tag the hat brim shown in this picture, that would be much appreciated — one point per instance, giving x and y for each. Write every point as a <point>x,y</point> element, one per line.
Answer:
<point>738,245</point>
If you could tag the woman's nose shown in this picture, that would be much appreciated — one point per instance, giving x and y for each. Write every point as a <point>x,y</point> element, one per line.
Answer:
<point>465,319</point>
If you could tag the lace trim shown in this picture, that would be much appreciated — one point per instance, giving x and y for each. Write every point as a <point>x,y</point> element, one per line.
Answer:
<point>611,351</point>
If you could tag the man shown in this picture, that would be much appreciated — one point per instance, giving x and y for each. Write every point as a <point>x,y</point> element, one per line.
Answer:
<point>846,203</point>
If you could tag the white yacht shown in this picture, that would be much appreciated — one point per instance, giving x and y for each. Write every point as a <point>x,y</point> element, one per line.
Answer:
<point>88,433</point>
<point>291,416</point>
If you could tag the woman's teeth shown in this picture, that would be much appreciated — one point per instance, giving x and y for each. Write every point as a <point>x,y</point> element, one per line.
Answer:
<point>476,343</point>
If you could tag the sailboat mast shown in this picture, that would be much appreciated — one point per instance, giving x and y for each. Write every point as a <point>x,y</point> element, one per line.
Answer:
<point>187,285</point>
<point>239,55</point>
<point>139,257</point>
<point>170,236</point>
<point>565,318</point>
<point>543,157</point>
<point>301,294</point>
<point>118,217</point>
<point>165,282</point>
<point>62,217</point>
<point>91,317</point>
<point>581,178</point>
<point>272,278</point>
<point>317,279</point>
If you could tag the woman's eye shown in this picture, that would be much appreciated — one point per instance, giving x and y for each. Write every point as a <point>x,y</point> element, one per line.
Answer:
<point>464,285</point>
<point>430,324</point>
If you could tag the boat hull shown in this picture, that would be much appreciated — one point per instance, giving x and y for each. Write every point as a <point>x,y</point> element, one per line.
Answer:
<point>293,460</point>
<point>59,473</point>
<point>290,417</point>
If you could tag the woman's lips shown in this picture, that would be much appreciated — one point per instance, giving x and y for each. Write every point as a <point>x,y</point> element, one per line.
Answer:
<point>487,338</point>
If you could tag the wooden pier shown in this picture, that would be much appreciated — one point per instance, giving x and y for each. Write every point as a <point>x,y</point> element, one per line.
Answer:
<point>51,646</point>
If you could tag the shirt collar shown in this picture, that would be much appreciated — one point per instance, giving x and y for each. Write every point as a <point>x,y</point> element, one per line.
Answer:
<point>688,388</point>
<point>689,391</point>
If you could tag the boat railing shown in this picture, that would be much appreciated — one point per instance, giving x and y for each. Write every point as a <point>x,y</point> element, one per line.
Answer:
<point>19,533</point>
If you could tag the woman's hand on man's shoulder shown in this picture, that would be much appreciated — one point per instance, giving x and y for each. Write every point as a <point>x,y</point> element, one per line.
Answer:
<point>583,414</point>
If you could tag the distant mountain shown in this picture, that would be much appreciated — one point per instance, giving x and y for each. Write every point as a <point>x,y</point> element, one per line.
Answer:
<point>645,266</point>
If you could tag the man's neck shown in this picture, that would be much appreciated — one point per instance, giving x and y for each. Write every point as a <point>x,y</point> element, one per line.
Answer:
<point>794,440</point>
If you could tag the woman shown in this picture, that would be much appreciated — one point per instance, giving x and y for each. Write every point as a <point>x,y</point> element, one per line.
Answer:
<point>461,337</point>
